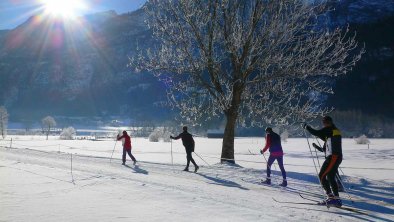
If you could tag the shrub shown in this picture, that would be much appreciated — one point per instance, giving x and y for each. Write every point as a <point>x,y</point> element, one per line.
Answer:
<point>68,133</point>
<point>159,133</point>
<point>284,136</point>
<point>155,135</point>
<point>362,140</point>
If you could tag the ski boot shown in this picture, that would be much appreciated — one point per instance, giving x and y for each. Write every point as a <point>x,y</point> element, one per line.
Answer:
<point>334,202</point>
<point>196,169</point>
<point>134,162</point>
<point>266,181</point>
<point>283,184</point>
<point>324,202</point>
<point>186,169</point>
<point>123,163</point>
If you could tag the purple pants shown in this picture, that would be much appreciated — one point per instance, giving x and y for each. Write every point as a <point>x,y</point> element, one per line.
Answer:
<point>271,160</point>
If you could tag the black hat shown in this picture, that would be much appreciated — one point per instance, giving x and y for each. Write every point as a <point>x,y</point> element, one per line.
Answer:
<point>185,128</point>
<point>268,129</point>
<point>327,119</point>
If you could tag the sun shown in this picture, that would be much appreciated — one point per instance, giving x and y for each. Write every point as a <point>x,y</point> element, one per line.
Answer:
<point>63,8</point>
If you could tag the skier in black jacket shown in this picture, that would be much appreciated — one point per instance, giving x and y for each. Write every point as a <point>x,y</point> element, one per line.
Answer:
<point>332,138</point>
<point>188,143</point>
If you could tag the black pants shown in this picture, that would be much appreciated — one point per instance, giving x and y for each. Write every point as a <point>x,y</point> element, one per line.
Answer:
<point>124,155</point>
<point>271,160</point>
<point>189,158</point>
<point>327,174</point>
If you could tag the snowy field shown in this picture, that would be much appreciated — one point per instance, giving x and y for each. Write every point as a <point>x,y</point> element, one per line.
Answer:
<point>41,182</point>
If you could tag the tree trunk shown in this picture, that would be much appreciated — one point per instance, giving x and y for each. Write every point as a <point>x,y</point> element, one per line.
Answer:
<point>229,131</point>
<point>228,139</point>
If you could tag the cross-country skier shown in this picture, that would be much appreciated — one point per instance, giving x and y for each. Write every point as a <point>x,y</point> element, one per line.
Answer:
<point>332,138</point>
<point>126,147</point>
<point>188,143</point>
<point>272,142</point>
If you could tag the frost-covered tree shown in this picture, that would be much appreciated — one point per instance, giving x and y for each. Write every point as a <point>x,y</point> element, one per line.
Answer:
<point>284,135</point>
<point>3,121</point>
<point>47,124</point>
<point>255,62</point>
<point>68,133</point>
<point>160,133</point>
<point>363,139</point>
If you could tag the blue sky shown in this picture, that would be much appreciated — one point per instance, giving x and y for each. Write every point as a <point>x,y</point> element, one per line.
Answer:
<point>15,12</point>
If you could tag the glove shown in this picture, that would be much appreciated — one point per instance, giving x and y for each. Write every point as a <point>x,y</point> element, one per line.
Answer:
<point>304,125</point>
<point>171,137</point>
<point>261,151</point>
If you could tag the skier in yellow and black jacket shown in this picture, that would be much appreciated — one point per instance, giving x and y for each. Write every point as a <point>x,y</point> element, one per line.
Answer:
<point>332,138</point>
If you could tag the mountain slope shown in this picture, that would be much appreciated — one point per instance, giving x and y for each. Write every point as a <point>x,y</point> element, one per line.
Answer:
<point>77,68</point>
<point>369,87</point>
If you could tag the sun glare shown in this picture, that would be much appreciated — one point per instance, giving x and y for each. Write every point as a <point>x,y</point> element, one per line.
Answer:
<point>63,8</point>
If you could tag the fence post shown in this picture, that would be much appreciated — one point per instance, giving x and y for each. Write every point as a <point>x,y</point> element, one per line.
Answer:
<point>72,176</point>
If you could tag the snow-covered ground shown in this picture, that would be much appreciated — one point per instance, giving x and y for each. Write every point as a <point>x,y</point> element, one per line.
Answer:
<point>38,183</point>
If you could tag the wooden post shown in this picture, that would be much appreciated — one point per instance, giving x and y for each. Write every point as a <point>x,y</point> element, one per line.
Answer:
<point>72,176</point>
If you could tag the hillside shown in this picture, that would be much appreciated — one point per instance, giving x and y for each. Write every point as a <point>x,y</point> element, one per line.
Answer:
<point>76,68</point>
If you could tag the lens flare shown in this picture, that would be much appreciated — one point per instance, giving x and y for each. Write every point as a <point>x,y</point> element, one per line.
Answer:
<point>63,8</point>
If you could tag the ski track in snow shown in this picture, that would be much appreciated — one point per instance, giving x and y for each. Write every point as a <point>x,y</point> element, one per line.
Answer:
<point>37,185</point>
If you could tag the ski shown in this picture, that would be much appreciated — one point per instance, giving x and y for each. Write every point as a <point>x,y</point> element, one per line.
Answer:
<point>293,202</point>
<point>316,203</point>
<point>306,198</point>
<point>250,152</point>
<point>305,192</point>
<point>342,207</point>
<point>351,209</point>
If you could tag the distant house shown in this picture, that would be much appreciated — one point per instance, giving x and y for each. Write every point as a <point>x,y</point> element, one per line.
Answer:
<point>215,133</point>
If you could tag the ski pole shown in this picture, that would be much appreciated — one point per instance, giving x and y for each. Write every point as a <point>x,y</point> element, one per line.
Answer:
<point>113,151</point>
<point>202,159</point>
<point>265,159</point>
<point>317,173</point>
<point>316,151</point>
<point>310,149</point>
<point>172,159</point>
<point>72,176</point>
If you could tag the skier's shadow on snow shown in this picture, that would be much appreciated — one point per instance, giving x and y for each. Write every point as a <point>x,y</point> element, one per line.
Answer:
<point>369,218</point>
<point>137,169</point>
<point>363,189</point>
<point>222,182</point>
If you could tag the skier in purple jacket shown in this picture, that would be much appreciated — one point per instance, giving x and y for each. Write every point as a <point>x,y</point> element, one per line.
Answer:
<point>272,142</point>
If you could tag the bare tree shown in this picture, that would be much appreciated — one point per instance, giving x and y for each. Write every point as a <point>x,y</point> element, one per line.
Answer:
<point>3,121</point>
<point>47,124</point>
<point>255,62</point>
